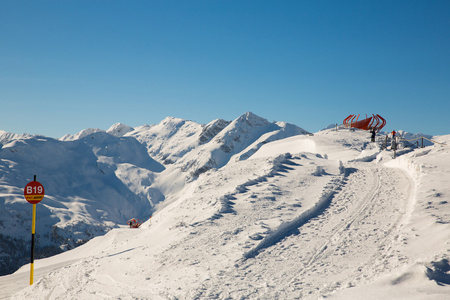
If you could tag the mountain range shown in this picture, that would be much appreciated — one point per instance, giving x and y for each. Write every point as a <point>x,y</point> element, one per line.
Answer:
<point>96,180</point>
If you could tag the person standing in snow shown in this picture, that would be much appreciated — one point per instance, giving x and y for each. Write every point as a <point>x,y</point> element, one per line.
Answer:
<point>372,138</point>
<point>394,142</point>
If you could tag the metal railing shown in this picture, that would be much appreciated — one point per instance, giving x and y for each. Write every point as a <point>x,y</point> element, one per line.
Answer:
<point>396,141</point>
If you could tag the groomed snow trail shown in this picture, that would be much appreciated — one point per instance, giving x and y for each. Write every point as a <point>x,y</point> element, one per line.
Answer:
<point>352,241</point>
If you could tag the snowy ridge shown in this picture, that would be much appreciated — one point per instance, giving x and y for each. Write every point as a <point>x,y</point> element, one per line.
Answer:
<point>285,130</point>
<point>119,129</point>
<point>242,137</point>
<point>83,133</point>
<point>211,130</point>
<point>169,140</point>
<point>6,137</point>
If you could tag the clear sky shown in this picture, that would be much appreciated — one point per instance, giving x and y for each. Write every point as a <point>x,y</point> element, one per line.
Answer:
<point>75,64</point>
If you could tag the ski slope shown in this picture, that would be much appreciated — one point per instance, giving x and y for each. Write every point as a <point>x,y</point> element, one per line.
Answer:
<point>305,217</point>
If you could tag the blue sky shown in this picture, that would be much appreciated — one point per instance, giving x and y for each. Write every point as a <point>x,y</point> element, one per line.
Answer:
<point>75,64</point>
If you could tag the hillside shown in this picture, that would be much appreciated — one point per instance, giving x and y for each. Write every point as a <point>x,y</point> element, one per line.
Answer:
<point>329,215</point>
<point>96,180</point>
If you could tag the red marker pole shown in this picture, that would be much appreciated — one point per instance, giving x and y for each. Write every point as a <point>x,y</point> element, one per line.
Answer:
<point>33,193</point>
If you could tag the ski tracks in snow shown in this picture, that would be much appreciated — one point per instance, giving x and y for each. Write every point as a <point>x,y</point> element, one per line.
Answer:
<point>351,233</point>
<point>358,236</point>
<point>264,211</point>
<point>302,226</point>
<point>261,211</point>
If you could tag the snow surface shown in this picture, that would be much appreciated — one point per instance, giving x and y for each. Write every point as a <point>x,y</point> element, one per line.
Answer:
<point>323,216</point>
<point>95,180</point>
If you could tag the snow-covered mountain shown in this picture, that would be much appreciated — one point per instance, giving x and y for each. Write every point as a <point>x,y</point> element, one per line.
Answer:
<point>170,139</point>
<point>119,129</point>
<point>323,216</point>
<point>87,193</point>
<point>83,133</point>
<point>196,148</point>
<point>240,139</point>
<point>6,137</point>
<point>96,180</point>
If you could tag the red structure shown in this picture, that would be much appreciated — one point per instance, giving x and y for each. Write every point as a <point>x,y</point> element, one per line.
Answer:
<point>376,122</point>
<point>134,223</point>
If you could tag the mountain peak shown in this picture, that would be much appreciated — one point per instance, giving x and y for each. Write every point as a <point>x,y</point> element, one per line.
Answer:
<point>83,133</point>
<point>252,119</point>
<point>172,120</point>
<point>119,129</point>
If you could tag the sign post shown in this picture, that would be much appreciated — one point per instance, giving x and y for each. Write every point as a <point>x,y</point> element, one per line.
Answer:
<point>33,193</point>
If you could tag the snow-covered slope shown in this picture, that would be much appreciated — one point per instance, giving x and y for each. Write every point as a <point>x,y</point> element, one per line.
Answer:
<point>96,180</point>
<point>90,188</point>
<point>170,139</point>
<point>306,217</point>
